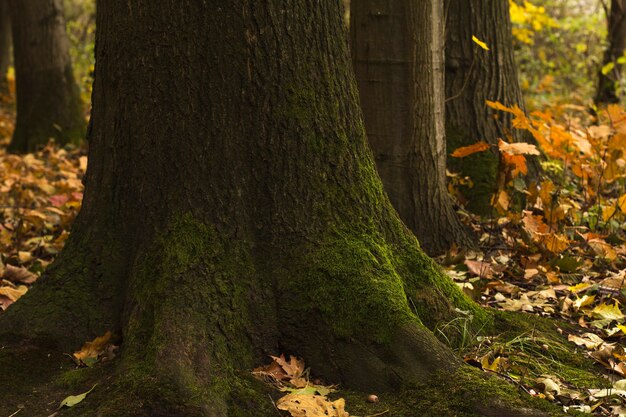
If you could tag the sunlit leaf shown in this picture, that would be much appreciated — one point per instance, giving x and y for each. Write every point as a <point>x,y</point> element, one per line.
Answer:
<point>480,43</point>
<point>469,150</point>
<point>607,311</point>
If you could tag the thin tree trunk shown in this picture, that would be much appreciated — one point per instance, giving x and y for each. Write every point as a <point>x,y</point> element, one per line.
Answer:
<point>48,100</point>
<point>607,83</point>
<point>474,75</point>
<point>397,49</point>
<point>5,44</point>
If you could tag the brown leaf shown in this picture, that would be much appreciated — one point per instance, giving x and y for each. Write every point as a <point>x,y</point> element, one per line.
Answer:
<point>294,368</point>
<point>479,268</point>
<point>19,274</point>
<point>273,370</point>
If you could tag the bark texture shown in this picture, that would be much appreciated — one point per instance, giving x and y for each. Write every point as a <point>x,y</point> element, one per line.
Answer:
<point>606,92</point>
<point>232,210</point>
<point>5,43</point>
<point>474,75</point>
<point>48,99</point>
<point>397,49</point>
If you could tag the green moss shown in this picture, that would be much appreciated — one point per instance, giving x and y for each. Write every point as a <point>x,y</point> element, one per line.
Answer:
<point>538,346</point>
<point>467,393</point>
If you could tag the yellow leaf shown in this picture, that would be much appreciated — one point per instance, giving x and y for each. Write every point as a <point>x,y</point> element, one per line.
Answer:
<point>305,405</point>
<point>583,301</point>
<point>608,68</point>
<point>608,212</point>
<point>581,286</point>
<point>555,242</point>
<point>622,328</point>
<point>603,249</point>
<point>471,149</point>
<point>91,350</point>
<point>13,294</point>
<point>621,203</point>
<point>480,43</point>
<point>609,312</point>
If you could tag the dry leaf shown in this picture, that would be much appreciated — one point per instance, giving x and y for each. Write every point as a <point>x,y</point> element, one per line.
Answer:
<point>19,274</point>
<point>519,148</point>
<point>302,405</point>
<point>294,368</point>
<point>90,351</point>
<point>469,150</point>
<point>479,268</point>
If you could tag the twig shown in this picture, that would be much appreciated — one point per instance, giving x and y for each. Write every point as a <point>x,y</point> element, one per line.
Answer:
<point>18,410</point>
<point>378,414</point>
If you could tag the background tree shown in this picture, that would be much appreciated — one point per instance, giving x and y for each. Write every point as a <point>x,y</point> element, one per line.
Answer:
<point>48,100</point>
<point>232,209</point>
<point>611,70</point>
<point>397,49</point>
<point>474,75</point>
<point>5,43</point>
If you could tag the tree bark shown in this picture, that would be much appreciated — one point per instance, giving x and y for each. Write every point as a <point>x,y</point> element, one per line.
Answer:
<point>606,91</point>
<point>397,49</point>
<point>232,210</point>
<point>474,75</point>
<point>5,44</point>
<point>48,100</point>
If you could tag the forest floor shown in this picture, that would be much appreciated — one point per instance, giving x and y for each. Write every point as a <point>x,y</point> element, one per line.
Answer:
<point>552,248</point>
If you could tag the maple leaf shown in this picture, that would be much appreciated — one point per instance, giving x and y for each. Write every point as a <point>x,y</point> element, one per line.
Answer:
<point>294,368</point>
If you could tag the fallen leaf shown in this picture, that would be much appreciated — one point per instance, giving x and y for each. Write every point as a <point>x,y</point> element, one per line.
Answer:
<point>19,274</point>
<point>89,353</point>
<point>294,368</point>
<point>479,268</point>
<point>301,405</point>
<point>72,400</point>
<point>607,311</point>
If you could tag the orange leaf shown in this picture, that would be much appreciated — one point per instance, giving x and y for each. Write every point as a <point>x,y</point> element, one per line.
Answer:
<point>517,162</point>
<point>471,149</point>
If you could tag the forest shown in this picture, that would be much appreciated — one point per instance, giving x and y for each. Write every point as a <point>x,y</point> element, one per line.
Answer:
<point>312,208</point>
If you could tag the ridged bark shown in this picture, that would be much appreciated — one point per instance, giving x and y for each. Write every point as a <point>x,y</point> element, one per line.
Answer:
<point>474,75</point>
<point>5,43</point>
<point>48,99</point>
<point>397,49</point>
<point>232,210</point>
<point>606,91</point>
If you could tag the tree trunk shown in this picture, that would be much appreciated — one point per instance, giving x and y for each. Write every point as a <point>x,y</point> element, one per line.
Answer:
<point>397,49</point>
<point>607,83</point>
<point>474,75</point>
<point>232,210</point>
<point>48,100</point>
<point>5,44</point>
